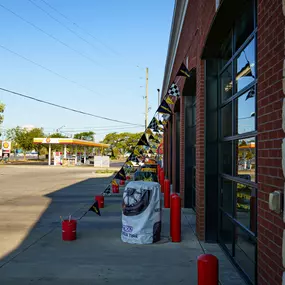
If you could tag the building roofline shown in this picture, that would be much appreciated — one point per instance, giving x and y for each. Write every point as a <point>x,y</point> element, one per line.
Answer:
<point>180,9</point>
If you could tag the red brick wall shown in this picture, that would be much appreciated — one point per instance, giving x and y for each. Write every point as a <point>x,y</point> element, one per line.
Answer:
<point>270,58</point>
<point>182,150</point>
<point>197,21</point>
<point>173,158</point>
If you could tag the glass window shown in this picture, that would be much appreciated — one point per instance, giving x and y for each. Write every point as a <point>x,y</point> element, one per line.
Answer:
<point>245,153</point>
<point>246,206</point>
<point>194,177</point>
<point>227,83</point>
<point>227,196</point>
<point>227,157</point>
<point>194,114</point>
<point>227,120</point>
<point>226,49</point>
<point>227,232</point>
<point>244,25</point>
<point>245,66</point>
<point>245,248</point>
<point>245,112</point>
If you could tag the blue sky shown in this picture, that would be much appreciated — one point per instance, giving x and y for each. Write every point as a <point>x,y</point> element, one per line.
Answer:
<point>128,34</point>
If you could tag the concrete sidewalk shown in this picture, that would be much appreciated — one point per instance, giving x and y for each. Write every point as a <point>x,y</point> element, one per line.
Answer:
<point>99,257</point>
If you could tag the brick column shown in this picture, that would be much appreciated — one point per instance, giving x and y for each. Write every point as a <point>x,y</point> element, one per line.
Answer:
<point>173,158</point>
<point>200,144</point>
<point>270,57</point>
<point>182,151</point>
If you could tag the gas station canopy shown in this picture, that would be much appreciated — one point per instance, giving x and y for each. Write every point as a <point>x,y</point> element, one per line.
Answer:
<point>67,141</point>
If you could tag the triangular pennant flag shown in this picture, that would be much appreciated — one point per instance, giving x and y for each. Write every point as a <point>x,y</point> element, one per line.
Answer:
<point>183,71</point>
<point>150,151</point>
<point>136,152</point>
<point>164,108</point>
<point>169,100</point>
<point>133,158</point>
<point>148,131</point>
<point>121,175</point>
<point>95,208</point>
<point>250,94</point>
<point>143,140</point>
<point>173,90</point>
<point>153,124</point>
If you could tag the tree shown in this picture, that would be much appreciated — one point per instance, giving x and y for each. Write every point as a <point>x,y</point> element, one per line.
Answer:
<point>87,136</point>
<point>35,133</point>
<point>122,143</point>
<point>2,108</point>
<point>24,139</point>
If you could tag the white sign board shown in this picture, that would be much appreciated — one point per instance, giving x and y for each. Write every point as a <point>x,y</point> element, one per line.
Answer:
<point>101,161</point>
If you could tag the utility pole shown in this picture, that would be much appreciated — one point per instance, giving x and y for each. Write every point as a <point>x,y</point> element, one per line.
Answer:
<point>146,98</point>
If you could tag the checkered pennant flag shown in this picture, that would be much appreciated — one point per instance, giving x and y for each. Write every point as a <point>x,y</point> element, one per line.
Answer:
<point>153,124</point>
<point>173,90</point>
<point>133,158</point>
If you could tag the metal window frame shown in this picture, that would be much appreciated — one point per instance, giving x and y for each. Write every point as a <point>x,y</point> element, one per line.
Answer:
<point>221,176</point>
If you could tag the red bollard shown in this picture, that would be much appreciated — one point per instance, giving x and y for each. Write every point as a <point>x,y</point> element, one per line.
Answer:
<point>158,169</point>
<point>171,215</point>
<point>115,188</point>
<point>161,179</point>
<point>100,199</point>
<point>122,182</point>
<point>68,230</point>
<point>208,270</point>
<point>158,175</point>
<point>176,218</point>
<point>166,193</point>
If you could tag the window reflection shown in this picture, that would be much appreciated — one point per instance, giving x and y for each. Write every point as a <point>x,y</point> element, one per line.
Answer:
<point>245,112</point>
<point>227,158</point>
<point>245,65</point>
<point>245,154</point>
<point>227,232</point>
<point>246,206</point>
<point>227,196</point>
<point>227,120</point>
<point>245,248</point>
<point>245,24</point>
<point>226,50</point>
<point>227,83</point>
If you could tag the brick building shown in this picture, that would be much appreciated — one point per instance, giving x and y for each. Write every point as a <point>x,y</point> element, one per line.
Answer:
<point>223,142</point>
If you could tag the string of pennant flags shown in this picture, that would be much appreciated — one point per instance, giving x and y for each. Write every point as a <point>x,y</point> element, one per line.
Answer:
<point>149,140</point>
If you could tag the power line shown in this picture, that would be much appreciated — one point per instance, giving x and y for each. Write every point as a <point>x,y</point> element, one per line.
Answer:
<point>49,70</point>
<point>49,35</point>
<point>62,24</point>
<point>66,108</point>
<point>85,31</point>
